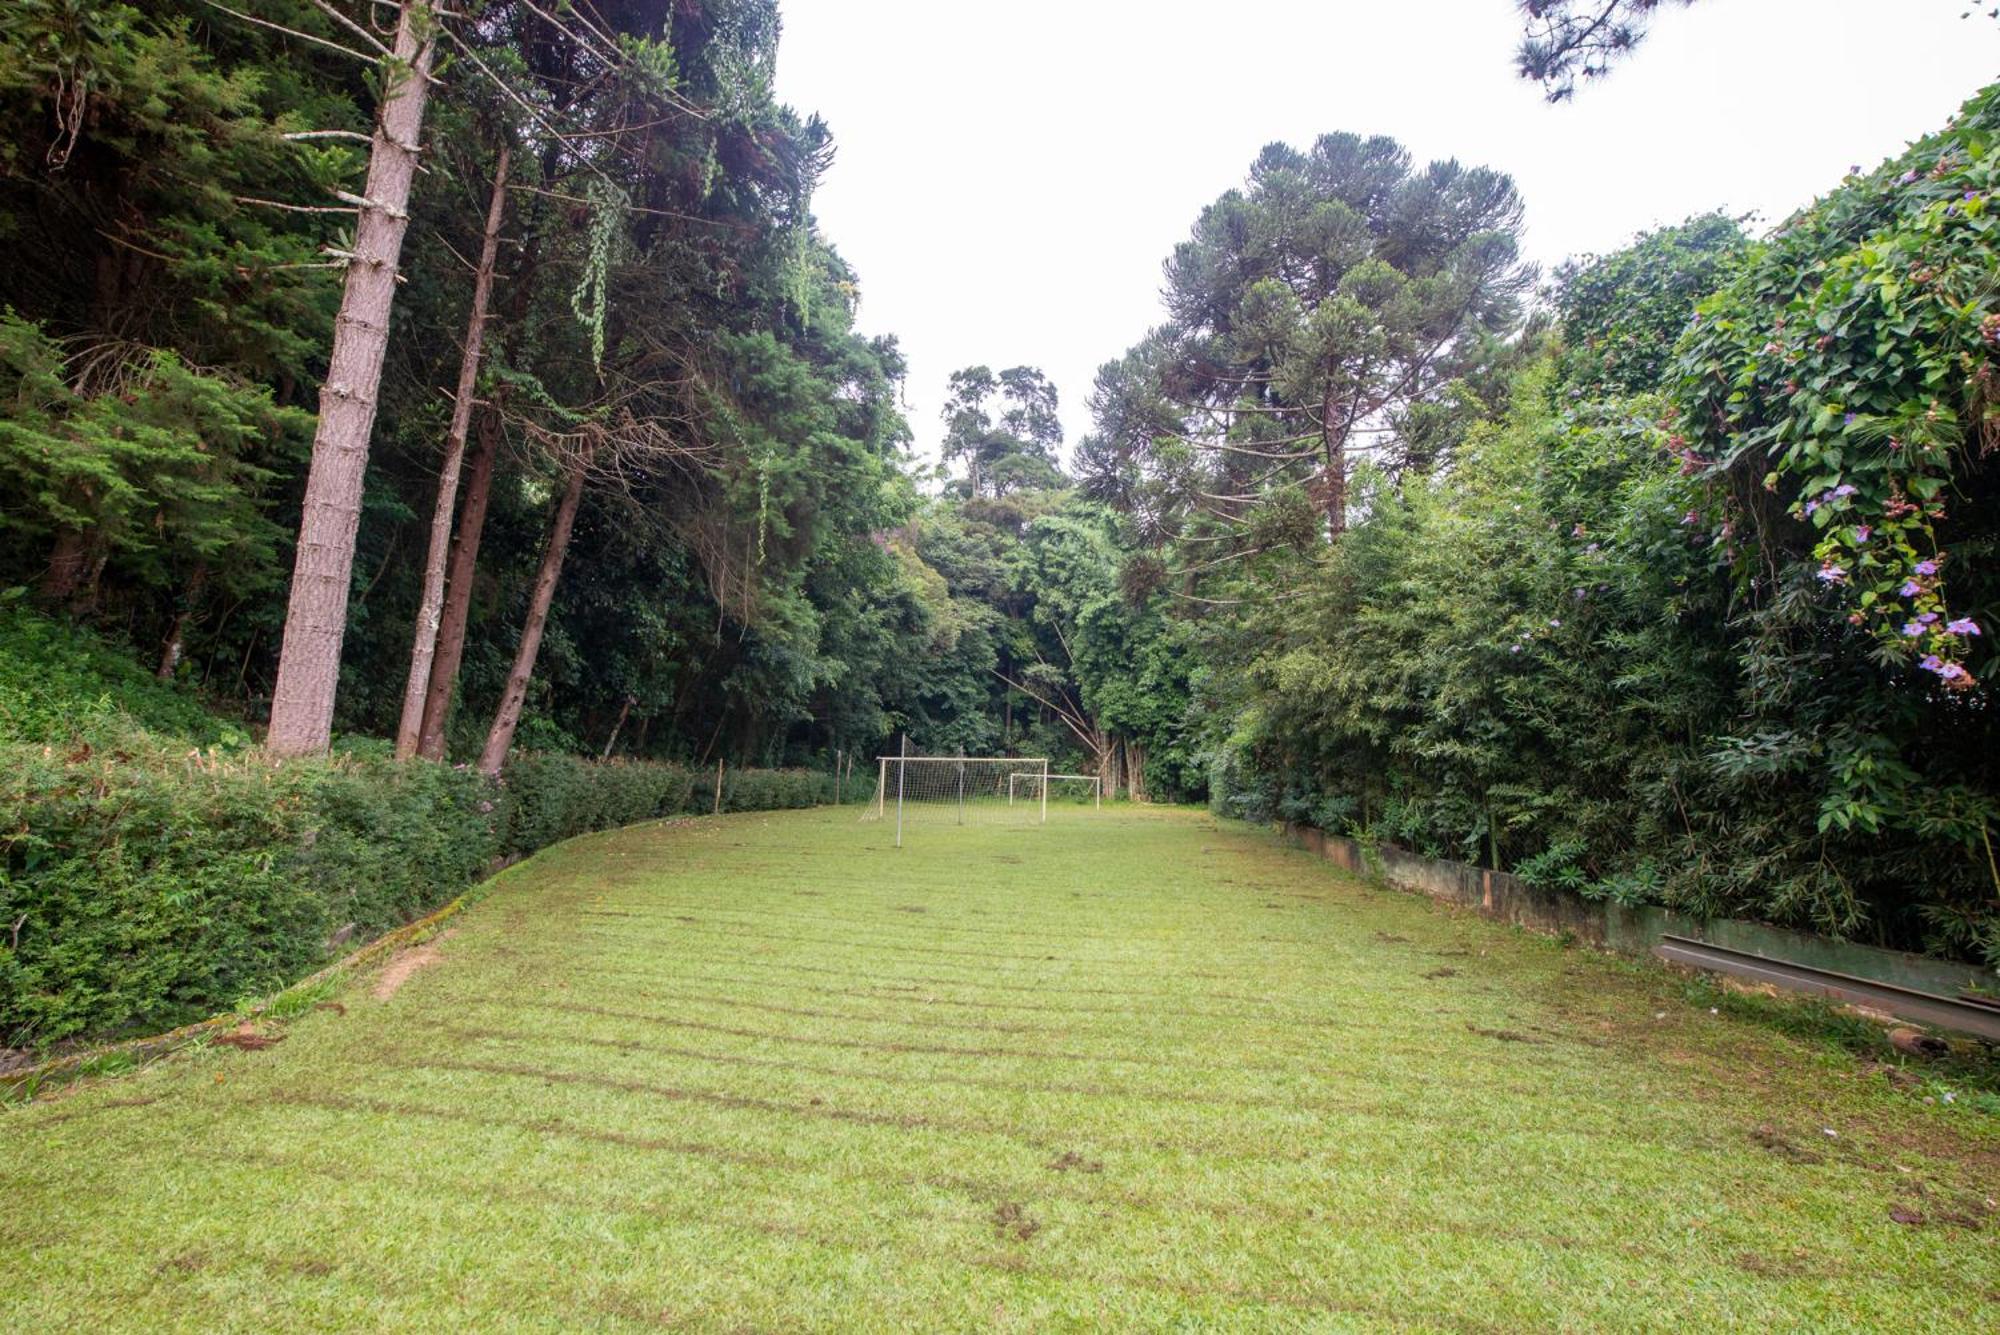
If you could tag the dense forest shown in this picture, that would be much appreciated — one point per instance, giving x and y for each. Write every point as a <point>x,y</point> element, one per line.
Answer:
<point>463,384</point>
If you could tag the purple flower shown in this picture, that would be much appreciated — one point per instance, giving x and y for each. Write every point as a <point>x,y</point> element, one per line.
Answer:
<point>1848,420</point>
<point>1691,517</point>
<point>1910,588</point>
<point>1555,621</point>
<point>1912,629</point>
<point>1927,567</point>
<point>1962,626</point>
<point>1863,532</point>
<point>1811,506</point>
<point>1954,672</point>
<point>1514,649</point>
<point>1927,617</point>
<point>1844,489</point>
<point>1832,574</point>
<point>1579,593</point>
<point>1932,663</point>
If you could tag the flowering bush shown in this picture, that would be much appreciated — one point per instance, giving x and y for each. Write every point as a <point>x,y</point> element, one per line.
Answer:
<point>1842,379</point>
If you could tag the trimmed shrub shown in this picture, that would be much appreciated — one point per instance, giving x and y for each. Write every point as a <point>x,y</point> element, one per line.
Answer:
<point>549,797</point>
<point>143,886</point>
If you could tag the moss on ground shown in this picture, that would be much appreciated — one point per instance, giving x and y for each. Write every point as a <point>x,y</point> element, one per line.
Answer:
<point>1134,1069</point>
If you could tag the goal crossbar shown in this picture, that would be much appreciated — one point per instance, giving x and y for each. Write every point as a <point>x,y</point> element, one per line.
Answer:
<point>1096,782</point>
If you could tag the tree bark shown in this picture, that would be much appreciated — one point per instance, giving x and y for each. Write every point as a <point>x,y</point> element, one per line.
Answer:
<point>1333,482</point>
<point>624,712</point>
<point>508,716</point>
<point>170,648</point>
<point>1135,771</point>
<point>457,614</point>
<point>409,731</point>
<point>68,560</point>
<point>316,615</point>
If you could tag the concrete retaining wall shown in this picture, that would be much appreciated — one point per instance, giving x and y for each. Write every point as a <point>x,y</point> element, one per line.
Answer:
<point>1501,895</point>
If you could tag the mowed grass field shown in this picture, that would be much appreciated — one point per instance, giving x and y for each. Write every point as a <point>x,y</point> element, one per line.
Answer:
<point>1137,1069</point>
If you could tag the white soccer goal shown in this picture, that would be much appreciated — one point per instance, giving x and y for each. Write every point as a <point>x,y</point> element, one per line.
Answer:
<point>1056,787</point>
<point>958,790</point>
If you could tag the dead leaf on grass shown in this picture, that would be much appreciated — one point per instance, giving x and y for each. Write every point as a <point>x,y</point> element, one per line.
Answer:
<point>245,1038</point>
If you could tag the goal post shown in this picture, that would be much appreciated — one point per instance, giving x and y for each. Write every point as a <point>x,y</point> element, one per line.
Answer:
<point>1072,787</point>
<point>959,790</point>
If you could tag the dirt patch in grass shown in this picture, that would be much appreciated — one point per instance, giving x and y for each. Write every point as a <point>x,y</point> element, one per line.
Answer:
<point>1503,1035</point>
<point>245,1038</point>
<point>1770,1138</point>
<point>402,968</point>
<point>1069,1161</point>
<point>1442,973</point>
<point>1013,1223</point>
<point>1772,1267</point>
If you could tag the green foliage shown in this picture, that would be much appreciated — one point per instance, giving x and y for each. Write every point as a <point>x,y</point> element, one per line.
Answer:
<point>1843,385</point>
<point>144,884</point>
<point>1621,314</point>
<point>1017,449</point>
<point>58,682</point>
<point>155,462</point>
<point>1633,642</point>
<point>1341,287</point>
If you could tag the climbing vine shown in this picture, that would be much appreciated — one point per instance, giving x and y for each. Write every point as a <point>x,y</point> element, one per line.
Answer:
<point>1847,370</point>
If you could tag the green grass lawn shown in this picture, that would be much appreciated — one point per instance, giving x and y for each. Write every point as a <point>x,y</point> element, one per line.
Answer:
<point>1134,1069</point>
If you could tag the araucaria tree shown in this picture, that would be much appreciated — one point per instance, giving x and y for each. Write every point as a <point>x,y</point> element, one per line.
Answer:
<point>1311,312</point>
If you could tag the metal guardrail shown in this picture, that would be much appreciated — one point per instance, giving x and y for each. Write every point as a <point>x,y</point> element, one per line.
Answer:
<point>1973,1015</point>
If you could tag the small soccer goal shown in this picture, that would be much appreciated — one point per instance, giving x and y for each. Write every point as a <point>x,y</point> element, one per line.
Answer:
<point>960,790</point>
<point>1073,789</point>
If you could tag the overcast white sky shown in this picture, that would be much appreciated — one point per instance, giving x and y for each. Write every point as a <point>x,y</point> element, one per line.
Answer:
<point>1011,175</point>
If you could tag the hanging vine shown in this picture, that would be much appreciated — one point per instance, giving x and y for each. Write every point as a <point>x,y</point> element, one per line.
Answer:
<point>604,245</point>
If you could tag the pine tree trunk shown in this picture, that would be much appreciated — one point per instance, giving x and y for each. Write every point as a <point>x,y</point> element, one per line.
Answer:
<point>316,615</point>
<point>508,716</point>
<point>463,568</point>
<point>409,730</point>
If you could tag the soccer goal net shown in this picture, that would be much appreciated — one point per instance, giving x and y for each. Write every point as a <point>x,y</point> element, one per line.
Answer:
<point>959,790</point>
<point>1072,789</point>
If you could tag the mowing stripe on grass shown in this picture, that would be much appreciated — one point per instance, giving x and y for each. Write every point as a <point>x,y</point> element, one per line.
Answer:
<point>1135,1070</point>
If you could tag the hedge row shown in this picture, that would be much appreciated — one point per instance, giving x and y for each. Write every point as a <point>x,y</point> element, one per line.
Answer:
<point>142,887</point>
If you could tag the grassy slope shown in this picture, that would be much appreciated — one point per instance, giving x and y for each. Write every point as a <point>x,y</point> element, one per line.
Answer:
<point>1135,1069</point>
<point>57,679</point>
